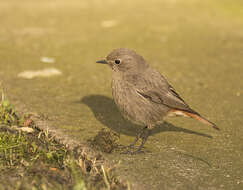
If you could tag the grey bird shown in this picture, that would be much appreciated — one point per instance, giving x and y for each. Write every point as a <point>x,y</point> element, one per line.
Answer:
<point>143,95</point>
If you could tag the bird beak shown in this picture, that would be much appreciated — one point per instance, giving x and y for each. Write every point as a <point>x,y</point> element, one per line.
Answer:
<point>102,61</point>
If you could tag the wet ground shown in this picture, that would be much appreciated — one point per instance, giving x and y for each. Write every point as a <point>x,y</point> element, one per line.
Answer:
<point>197,45</point>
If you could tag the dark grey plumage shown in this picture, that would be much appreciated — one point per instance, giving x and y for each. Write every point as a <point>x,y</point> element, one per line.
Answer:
<point>142,94</point>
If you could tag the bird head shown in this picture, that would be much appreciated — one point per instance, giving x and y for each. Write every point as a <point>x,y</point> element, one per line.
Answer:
<point>124,60</point>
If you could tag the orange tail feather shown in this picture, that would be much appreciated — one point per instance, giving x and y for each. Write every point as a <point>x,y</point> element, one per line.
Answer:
<point>194,115</point>
<point>203,120</point>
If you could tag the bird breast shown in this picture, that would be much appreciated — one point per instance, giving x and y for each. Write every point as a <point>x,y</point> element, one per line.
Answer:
<point>133,106</point>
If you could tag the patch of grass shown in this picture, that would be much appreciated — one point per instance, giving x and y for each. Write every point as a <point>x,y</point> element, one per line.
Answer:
<point>7,113</point>
<point>33,159</point>
<point>106,141</point>
<point>36,161</point>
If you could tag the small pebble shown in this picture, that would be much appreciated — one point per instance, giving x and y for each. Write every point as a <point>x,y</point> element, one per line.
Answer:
<point>47,60</point>
<point>40,73</point>
<point>108,23</point>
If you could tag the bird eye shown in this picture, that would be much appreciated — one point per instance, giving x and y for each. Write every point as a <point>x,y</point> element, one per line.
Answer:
<point>117,61</point>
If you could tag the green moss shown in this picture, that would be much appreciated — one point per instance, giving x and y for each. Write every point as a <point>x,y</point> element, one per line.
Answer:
<point>105,141</point>
<point>37,161</point>
<point>7,112</point>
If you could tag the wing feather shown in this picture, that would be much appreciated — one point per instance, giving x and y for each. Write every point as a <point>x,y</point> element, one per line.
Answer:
<point>155,88</point>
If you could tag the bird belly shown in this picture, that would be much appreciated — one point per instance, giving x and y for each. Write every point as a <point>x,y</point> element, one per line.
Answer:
<point>136,108</point>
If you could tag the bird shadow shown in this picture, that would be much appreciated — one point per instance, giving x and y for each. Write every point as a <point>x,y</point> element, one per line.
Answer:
<point>107,113</point>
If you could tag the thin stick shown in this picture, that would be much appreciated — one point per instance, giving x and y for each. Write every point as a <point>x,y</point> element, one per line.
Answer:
<point>105,178</point>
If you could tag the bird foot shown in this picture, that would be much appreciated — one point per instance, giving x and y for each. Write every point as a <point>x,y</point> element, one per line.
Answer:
<point>133,152</point>
<point>143,134</point>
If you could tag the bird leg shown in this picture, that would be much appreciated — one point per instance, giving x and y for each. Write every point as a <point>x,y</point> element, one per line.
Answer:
<point>143,134</point>
<point>139,135</point>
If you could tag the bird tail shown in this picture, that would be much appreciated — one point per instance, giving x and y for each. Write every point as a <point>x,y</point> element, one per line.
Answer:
<point>202,119</point>
<point>196,116</point>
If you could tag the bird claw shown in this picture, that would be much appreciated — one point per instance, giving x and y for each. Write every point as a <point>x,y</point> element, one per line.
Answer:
<point>131,152</point>
<point>143,134</point>
<point>131,146</point>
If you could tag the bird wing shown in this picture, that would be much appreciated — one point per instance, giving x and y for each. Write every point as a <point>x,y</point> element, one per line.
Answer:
<point>155,88</point>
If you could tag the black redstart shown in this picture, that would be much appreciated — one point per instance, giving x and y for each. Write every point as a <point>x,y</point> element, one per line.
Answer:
<point>143,95</point>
